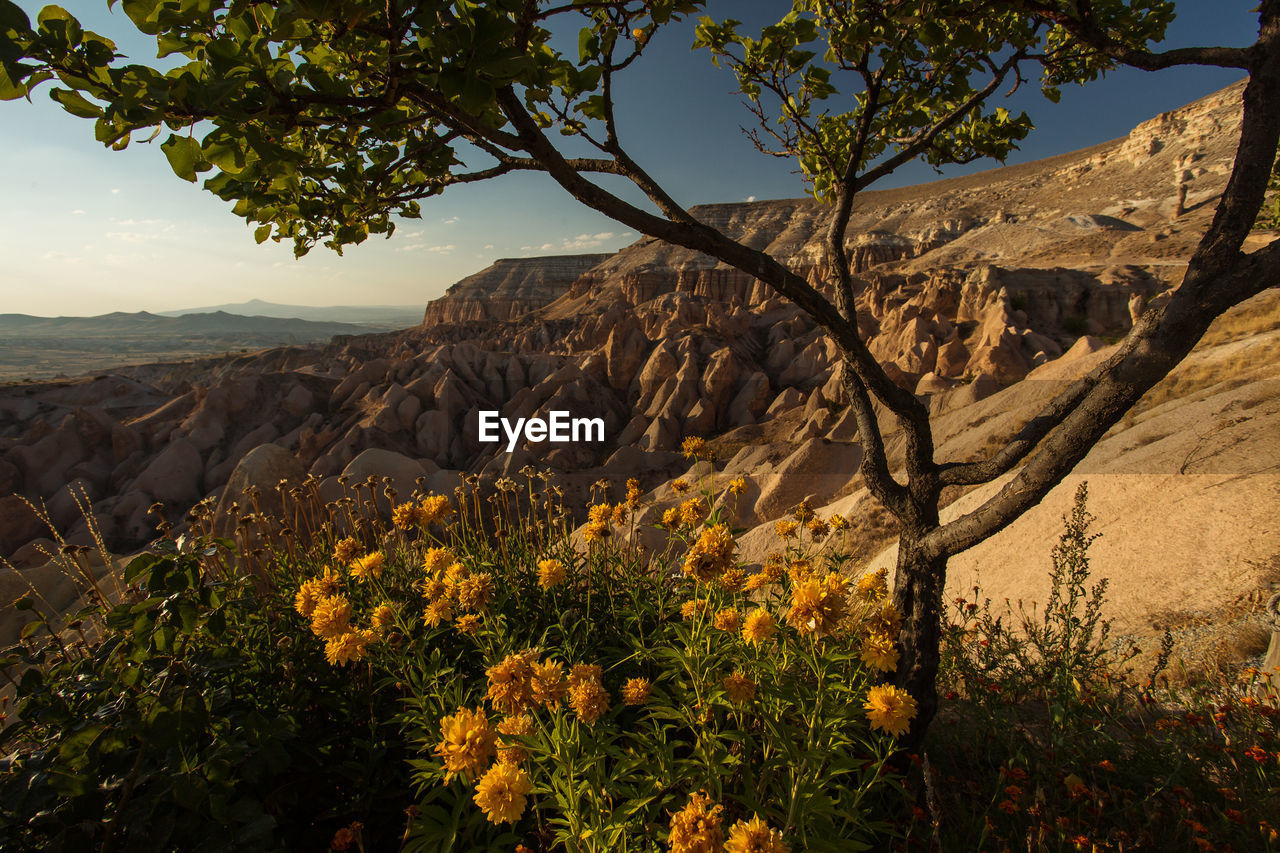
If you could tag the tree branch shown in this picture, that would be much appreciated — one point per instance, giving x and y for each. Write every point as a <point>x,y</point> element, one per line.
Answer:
<point>925,138</point>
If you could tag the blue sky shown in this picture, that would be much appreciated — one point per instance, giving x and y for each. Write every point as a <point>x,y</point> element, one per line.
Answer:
<point>84,230</point>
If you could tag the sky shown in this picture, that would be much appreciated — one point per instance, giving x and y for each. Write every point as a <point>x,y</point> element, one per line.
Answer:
<point>85,230</point>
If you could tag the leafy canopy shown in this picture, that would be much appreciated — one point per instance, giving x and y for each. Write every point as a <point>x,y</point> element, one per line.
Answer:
<point>323,120</point>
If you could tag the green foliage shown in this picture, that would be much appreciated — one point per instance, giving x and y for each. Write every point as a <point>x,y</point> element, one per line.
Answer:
<point>1047,741</point>
<point>1052,655</point>
<point>311,695</point>
<point>798,753</point>
<point>208,710</point>
<point>913,75</point>
<point>189,723</point>
<point>325,121</point>
<point>1269,217</point>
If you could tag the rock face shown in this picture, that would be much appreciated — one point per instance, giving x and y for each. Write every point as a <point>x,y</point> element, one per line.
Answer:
<point>965,287</point>
<point>509,288</point>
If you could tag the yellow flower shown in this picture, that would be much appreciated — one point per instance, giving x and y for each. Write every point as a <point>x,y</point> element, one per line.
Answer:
<point>405,516</point>
<point>732,580</point>
<point>817,606</point>
<point>587,695</point>
<point>671,518</point>
<point>348,646</point>
<point>305,601</point>
<point>693,447</point>
<point>693,608</point>
<point>804,511</point>
<point>439,610</point>
<point>693,511</point>
<point>345,551</point>
<point>511,683</point>
<point>510,750</point>
<point>433,589</point>
<point>331,616</point>
<point>874,586</point>
<point>679,486</point>
<point>383,615</point>
<point>728,620</point>
<point>879,652</point>
<point>368,566</point>
<point>437,559</point>
<point>711,555</point>
<point>754,836</point>
<point>550,573</point>
<point>696,828</point>
<point>434,508</point>
<point>839,522</point>
<point>456,574</point>
<point>739,687</point>
<point>786,528</point>
<point>620,513</point>
<point>636,691</point>
<point>502,793</point>
<point>468,624</point>
<point>890,709</point>
<point>467,743</point>
<point>600,514</point>
<point>633,494</point>
<point>475,591</point>
<point>759,627</point>
<point>888,620</point>
<point>596,531</point>
<point>755,581</point>
<point>548,683</point>
<point>800,570</point>
<point>773,570</point>
<point>818,528</point>
<point>738,486</point>
<point>585,672</point>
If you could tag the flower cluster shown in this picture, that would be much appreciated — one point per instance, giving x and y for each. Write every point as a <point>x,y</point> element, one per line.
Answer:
<point>818,606</point>
<point>711,555</point>
<point>433,509</point>
<point>320,600</point>
<point>451,587</point>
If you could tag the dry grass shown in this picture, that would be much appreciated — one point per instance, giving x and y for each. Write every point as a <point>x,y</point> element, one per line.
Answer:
<point>1236,368</point>
<point>1257,315</point>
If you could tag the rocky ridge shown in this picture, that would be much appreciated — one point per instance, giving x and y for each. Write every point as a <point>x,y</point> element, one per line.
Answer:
<point>968,287</point>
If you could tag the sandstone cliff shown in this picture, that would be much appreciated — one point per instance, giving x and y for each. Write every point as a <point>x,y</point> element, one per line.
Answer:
<point>509,288</point>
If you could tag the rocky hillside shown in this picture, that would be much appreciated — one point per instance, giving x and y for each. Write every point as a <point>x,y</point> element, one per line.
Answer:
<point>509,288</point>
<point>970,287</point>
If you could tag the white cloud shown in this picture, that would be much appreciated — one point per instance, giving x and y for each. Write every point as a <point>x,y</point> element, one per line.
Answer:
<point>488,245</point>
<point>77,212</point>
<point>130,236</point>
<point>751,198</point>
<point>115,192</point>
<point>452,220</point>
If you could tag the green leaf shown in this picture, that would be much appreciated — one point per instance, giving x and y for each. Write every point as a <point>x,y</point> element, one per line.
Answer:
<point>184,156</point>
<point>261,233</point>
<point>75,103</point>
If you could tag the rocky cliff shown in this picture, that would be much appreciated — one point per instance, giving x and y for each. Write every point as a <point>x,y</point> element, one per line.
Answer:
<point>509,288</point>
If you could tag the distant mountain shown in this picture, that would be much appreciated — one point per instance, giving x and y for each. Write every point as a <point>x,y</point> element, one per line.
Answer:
<point>388,316</point>
<point>220,324</point>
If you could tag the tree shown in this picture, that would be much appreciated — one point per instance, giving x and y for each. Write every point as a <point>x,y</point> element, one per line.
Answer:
<point>321,120</point>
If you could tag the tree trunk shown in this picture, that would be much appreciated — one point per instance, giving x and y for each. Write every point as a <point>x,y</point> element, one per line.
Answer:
<point>918,587</point>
